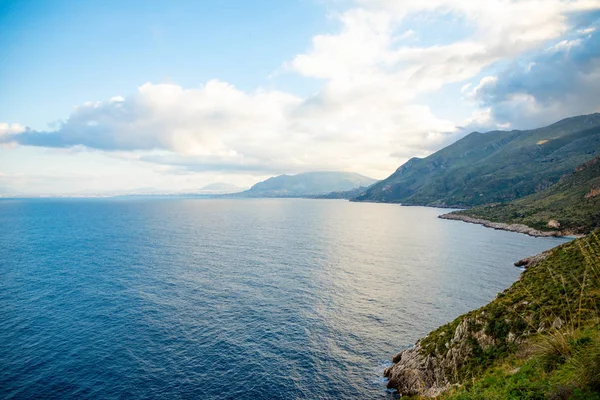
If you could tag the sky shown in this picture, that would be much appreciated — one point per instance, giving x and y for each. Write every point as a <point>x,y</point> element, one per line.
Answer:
<point>112,97</point>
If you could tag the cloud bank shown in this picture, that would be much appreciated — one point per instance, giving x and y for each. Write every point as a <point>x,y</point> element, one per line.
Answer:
<point>520,63</point>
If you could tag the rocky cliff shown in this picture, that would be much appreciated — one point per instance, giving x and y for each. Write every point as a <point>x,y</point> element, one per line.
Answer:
<point>419,371</point>
<point>547,293</point>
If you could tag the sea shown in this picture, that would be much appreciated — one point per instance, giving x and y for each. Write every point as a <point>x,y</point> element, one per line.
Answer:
<point>179,298</point>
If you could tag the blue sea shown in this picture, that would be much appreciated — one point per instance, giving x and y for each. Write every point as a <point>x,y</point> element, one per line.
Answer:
<point>142,298</point>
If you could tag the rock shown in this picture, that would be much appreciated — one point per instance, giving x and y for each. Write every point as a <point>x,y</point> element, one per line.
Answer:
<point>484,341</point>
<point>595,191</point>
<point>414,373</point>
<point>529,262</point>
<point>522,263</point>
<point>553,224</point>
<point>397,357</point>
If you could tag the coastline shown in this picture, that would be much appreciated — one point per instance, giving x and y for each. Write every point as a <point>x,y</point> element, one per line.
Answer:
<point>519,228</point>
<point>474,343</point>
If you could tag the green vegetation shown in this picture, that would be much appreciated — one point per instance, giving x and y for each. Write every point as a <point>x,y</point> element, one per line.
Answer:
<point>493,167</point>
<point>573,202</point>
<point>539,339</point>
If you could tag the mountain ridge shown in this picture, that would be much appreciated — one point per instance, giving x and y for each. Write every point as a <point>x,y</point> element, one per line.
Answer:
<point>307,184</point>
<point>496,166</point>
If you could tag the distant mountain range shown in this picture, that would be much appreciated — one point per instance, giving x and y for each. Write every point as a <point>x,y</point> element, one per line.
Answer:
<point>307,184</point>
<point>492,167</point>
<point>220,188</point>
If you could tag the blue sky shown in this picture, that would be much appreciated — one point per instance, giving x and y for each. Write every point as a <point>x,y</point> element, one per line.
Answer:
<point>70,52</point>
<point>168,96</point>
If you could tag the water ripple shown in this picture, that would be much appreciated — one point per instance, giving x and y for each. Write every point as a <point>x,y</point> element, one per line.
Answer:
<point>240,299</point>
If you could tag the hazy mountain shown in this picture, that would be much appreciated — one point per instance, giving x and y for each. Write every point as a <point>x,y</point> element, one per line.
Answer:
<point>307,184</point>
<point>220,188</point>
<point>492,167</point>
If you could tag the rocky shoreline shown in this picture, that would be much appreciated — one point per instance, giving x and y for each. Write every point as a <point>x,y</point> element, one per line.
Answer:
<point>414,374</point>
<point>417,371</point>
<point>437,361</point>
<point>520,228</point>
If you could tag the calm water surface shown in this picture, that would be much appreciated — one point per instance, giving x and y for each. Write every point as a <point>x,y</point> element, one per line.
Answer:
<point>232,299</point>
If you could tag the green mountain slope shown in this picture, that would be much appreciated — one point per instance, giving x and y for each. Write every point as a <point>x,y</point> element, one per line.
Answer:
<point>307,184</point>
<point>538,339</point>
<point>492,167</point>
<point>572,205</point>
<point>346,195</point>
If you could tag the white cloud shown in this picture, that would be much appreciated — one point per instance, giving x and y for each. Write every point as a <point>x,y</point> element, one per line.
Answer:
<point>218,127</point>
<point>477,92</point>
<point>369,115</point>
<point>8,129</point>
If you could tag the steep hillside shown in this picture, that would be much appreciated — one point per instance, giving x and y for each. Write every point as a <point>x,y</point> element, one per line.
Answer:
<point>492,167</point>
<point>307,184</point>
<point>538,339</point>
<point>571,206</point>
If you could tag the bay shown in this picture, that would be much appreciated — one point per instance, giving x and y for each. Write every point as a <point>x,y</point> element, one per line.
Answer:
<point>245,299</point>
